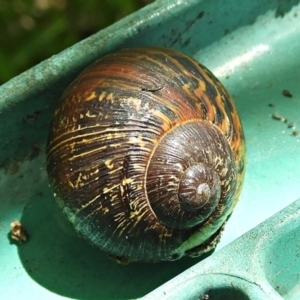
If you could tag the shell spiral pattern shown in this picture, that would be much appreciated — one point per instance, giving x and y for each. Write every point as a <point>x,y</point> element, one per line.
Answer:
<point>146,155</point>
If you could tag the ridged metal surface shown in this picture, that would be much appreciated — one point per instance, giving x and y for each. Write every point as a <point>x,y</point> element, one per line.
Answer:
<point>253,48</point>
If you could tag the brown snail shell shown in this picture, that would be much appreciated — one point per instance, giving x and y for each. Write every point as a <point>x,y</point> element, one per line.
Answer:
<point>146,155</point>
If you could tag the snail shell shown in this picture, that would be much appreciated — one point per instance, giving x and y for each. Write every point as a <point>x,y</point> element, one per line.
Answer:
<point>146,155</point>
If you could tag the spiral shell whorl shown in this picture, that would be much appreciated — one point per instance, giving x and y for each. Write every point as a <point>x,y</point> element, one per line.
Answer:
<point>206,154</point>
<point>199,186</point>
<point>123,141</point>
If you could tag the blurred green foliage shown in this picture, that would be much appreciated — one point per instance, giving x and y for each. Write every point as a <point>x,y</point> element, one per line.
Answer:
<point>33,30</point>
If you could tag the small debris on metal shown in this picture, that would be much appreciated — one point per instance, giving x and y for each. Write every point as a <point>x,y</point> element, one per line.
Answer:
<point>278,118</point>
<point>18,232</point>
<point>287,93</point>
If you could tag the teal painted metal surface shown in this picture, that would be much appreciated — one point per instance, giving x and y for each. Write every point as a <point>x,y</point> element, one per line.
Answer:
<point>254,49</point>
<point>262,264</point>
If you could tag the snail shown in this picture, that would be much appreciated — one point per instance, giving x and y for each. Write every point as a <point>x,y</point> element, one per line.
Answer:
<point>145,155</point>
